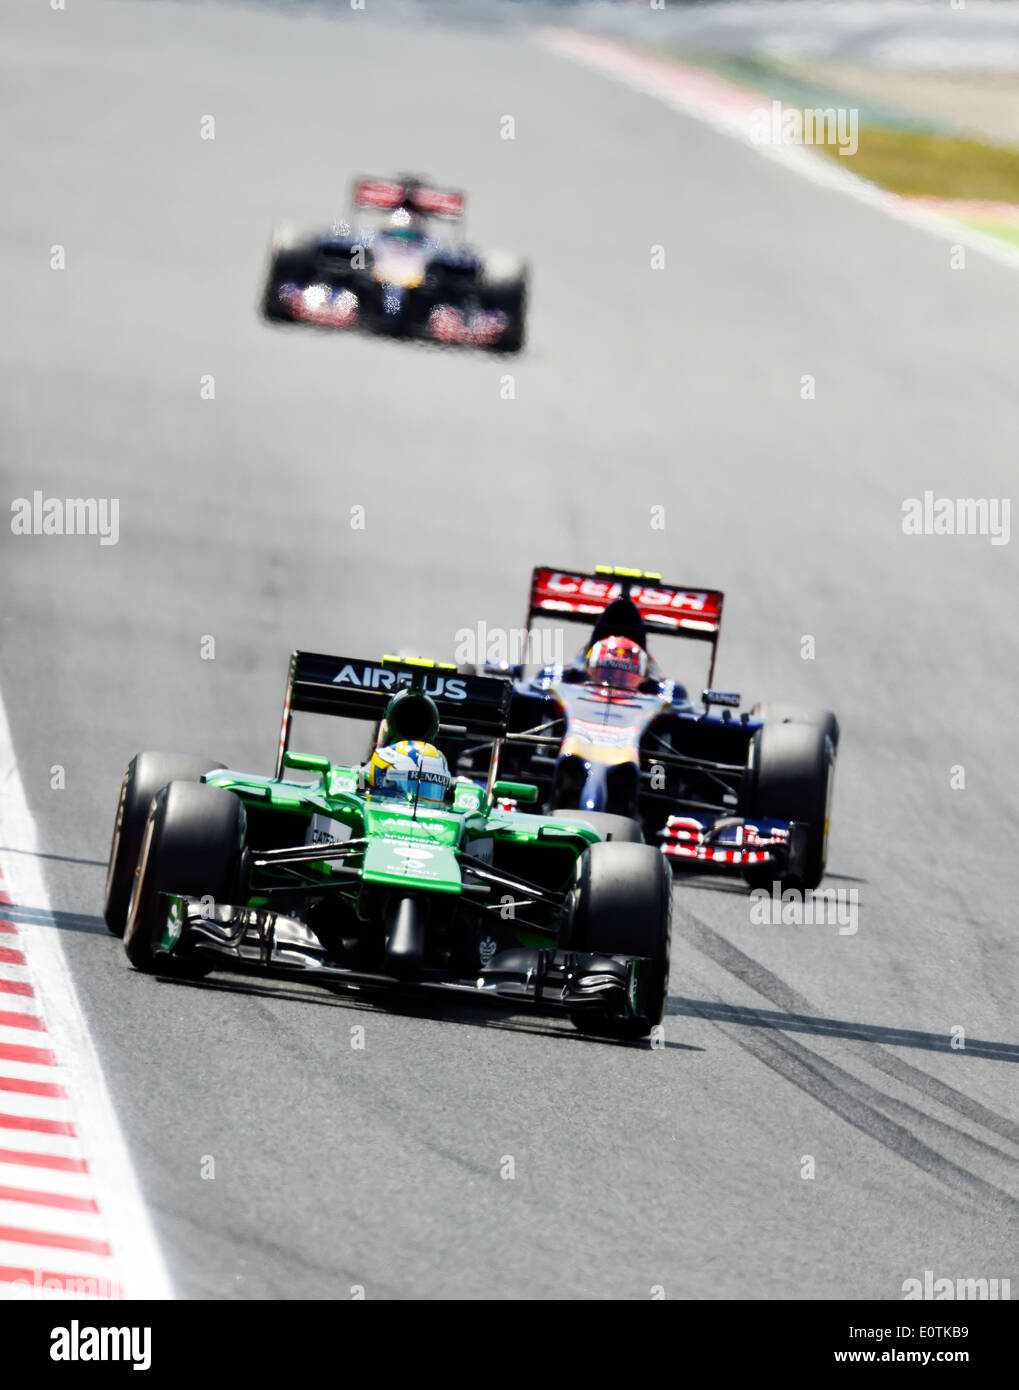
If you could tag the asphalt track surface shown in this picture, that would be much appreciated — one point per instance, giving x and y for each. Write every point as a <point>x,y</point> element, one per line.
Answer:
<point>680,1167</point>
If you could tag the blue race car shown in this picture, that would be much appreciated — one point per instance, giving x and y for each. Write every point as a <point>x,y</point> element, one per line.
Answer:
<point>610,738</point>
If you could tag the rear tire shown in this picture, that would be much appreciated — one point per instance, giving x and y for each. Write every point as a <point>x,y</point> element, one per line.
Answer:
<point>147,773</point>
<point>193,845</point>
<point>624,907</point>
<point>609,827</point>
<point>791,771</point>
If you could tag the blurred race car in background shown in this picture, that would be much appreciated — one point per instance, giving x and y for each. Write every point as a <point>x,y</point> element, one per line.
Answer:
<point>398,267</point>
<point>610,737</point>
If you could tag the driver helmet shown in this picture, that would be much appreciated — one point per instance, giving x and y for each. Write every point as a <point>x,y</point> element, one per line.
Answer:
<point>404,225</point>
<point>409,769</point>
<point>617,661</point>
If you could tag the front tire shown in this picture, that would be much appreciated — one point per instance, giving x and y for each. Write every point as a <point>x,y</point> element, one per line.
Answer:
<point>193,845</point>
<point>799,714</point>
<point>147,773</point>
<point>790,775</point>
<point>284,265</point>
<point>623,907</point>
<point>503,285</point>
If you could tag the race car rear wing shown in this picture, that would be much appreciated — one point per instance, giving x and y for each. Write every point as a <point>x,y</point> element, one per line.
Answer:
<point>666,608</point>
<point>385,195</point>
<point>355,688</point>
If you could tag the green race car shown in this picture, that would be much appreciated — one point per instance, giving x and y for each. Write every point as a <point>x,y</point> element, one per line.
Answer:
<point>377,875</point>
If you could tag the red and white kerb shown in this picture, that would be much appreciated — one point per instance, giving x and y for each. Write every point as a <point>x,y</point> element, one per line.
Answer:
<point>52,1237</point>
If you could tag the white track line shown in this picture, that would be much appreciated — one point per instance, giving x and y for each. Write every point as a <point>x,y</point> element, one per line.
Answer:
<point>729,108</point>
<point>51,1144</point>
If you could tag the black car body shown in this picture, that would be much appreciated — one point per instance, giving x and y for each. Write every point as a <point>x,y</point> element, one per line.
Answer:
<point>397,267</point>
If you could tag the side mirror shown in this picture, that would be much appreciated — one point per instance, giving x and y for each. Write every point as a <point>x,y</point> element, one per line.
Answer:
<point>306,762</point>
<point>516,791</point>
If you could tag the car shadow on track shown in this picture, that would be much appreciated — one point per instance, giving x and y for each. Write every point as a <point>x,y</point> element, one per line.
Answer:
<point>482,1014</point>
<point>837,1028</point>
<point>63,921</point>
<point>487,1014</point>
<point>60,858</point>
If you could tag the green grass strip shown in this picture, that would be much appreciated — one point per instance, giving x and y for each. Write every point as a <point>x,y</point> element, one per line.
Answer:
<point>938,166</point>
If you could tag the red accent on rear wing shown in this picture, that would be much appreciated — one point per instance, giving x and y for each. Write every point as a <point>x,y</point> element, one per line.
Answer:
<point>664,607</point>
<point>377,193</point>
<point>386,194</point>
<point>667,608</point>
<point>437,202</point>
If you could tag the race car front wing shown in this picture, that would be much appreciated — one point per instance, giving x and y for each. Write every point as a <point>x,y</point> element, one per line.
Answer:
<point>259,941</point>
<point>733,843</point>
<point>340,307</point>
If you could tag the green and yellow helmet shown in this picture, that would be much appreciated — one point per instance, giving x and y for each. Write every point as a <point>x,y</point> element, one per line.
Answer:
<point>410,769</point>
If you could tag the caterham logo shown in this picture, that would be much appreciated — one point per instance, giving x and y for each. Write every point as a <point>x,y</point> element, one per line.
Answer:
<point>323,830</point>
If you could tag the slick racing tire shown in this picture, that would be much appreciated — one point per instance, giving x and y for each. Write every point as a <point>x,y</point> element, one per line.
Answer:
<point>283,266</point>
<point>623,906</point>
<point>608,827</point>
<point>147,773</point>
<point>799,714</point>
<point>193,845</point>
<point>790,772</point>
<point>503,286</point>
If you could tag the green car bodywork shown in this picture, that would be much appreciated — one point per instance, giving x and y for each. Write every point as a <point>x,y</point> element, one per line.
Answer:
<point>402,847</point>
<point>313,872</point>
